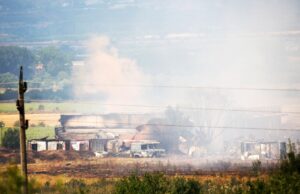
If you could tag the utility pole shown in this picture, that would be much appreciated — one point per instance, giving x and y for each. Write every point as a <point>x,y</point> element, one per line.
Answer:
<point>23,127</point>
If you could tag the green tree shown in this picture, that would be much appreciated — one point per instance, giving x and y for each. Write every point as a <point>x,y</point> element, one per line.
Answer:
<point>8,77</point>
<point>11,57</point>
<point>11,139</point>
<point>54,60</point>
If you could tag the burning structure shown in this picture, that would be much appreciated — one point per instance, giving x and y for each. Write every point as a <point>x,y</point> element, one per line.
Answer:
<point>176,133</point>
<point>263,150</point>
<point>99,133</point>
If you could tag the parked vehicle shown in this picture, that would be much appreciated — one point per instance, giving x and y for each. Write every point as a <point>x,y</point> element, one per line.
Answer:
<point>146,149</point>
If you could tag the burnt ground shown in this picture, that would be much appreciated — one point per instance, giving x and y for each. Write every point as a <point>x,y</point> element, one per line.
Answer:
<point>13,156</point>
<point>85,165</point>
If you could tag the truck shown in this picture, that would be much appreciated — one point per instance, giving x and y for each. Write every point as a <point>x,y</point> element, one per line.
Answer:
<point>146,149</point>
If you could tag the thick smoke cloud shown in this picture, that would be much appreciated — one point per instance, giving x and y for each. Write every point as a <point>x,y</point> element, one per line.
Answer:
<point>231,44</point>
<point>105,72</point>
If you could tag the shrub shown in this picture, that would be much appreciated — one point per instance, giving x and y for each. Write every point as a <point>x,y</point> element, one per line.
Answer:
<point>41,124</point>
<point>76,186</point>
<point>258,186</point>
<point>17,124</point>
<point>32,125</point>
<point>185,186</point>
<point>2,124</point>
<point>156,183</point>
<point>291,164</point>
<point>11,139</point>
<point>11,181</point>
<point>41,107</point>
<point>287,179</point>
<point>256,167</point>
<point>131,184</point>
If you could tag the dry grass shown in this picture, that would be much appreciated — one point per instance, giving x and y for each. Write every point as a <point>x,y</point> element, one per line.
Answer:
<point>49,119</point>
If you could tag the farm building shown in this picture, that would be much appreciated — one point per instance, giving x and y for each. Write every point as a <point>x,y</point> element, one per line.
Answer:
<point>48,144</point>
<point>98,133</point>
<point>257,150</point>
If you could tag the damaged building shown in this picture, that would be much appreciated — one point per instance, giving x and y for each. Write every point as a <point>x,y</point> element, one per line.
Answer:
<point>114,133</point>
<point>258,150</point>
<point>98,133</point>
<point>48,144</point>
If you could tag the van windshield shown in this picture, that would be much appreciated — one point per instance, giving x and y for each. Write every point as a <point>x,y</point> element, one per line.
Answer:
<point>152,146</point>
<point>144,147</point>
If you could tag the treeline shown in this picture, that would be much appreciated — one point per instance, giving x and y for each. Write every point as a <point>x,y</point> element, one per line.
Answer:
<point>65,93</point>
<point>48,71</point>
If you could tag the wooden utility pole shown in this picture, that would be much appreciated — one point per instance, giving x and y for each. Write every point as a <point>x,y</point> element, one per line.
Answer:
<point>23,127</point>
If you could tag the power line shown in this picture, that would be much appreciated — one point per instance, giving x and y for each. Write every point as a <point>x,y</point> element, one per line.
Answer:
<point>174,125</point>
<point>6,83</point>
<point>179,87</point>
<point>183,107</point>
<point>196,87</point>
<point>203,108</point>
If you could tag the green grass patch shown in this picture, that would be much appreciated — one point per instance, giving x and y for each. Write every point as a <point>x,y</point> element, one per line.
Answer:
<point>34,132</point>
<point>40,132</point>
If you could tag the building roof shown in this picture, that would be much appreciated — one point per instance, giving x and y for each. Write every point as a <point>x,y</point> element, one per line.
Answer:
<point>85,135</point>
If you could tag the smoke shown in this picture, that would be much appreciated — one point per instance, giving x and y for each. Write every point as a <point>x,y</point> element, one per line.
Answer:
<point>105,72</point>
<point>231,44</point>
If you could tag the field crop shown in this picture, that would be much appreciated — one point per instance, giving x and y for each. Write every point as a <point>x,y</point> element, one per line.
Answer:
<point>34,132</point>
<point>47,119</point>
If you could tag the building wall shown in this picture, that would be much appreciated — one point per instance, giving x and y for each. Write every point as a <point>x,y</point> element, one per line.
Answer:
<point>80,145</point>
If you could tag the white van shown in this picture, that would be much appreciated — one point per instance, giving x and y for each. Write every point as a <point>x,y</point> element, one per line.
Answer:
<point>146,149</point>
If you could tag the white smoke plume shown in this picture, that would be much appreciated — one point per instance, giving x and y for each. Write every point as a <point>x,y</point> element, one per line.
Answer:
<point>105,72</point>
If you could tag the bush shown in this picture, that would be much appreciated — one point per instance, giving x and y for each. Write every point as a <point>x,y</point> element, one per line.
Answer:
<point>156,183</point>
<point>287,179</point>
<point>185,186</point>
<point>258,186</point>
<point>41,124</point>
<point>11,139</point>
<point>291,164</point>
<point>41,107</point>
<point>76,186</point>
<point>2,124</point>
<point>11,181</point>
<point>17,124</point>
<point>256,167</point>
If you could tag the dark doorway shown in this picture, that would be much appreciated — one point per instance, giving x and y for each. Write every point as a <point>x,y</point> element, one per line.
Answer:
<point>81,147</point>
<point>59,146</point>
<point>34,147</point>
<point>68,145</point>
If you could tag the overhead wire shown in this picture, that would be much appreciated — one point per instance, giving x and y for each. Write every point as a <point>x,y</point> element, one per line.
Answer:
<point>178,86</point>
<point>196,87</point>
<point>95,123</point>
<point>181,107</point>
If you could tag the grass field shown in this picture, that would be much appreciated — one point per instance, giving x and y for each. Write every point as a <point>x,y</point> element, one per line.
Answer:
<point>48,119</point>
<point>34,132</point>
<point>40,132</point>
